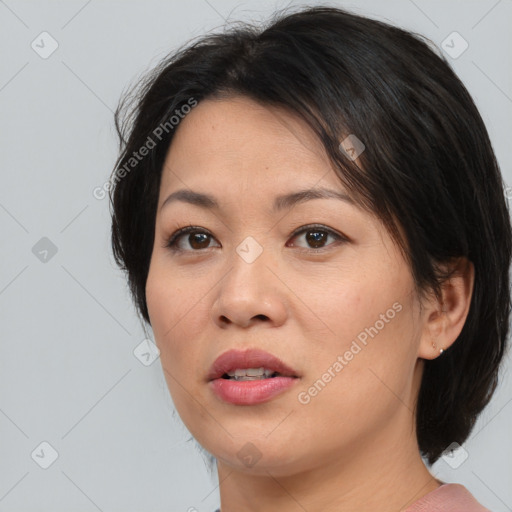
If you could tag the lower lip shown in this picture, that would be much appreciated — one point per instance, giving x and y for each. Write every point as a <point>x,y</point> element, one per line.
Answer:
<point>250,392</point>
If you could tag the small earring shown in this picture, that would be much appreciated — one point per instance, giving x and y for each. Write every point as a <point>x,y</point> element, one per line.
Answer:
<point>441,350</point>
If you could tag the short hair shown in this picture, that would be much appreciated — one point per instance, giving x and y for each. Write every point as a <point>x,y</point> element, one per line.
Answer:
<point>428,167</point>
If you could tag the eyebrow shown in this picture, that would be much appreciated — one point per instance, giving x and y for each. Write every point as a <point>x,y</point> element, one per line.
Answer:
<point>281,202</point>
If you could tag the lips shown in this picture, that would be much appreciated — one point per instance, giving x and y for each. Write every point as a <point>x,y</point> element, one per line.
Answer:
<point>250,358</point>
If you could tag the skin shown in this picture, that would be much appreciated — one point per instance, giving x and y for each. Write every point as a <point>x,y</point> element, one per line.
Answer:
<point>353,446</point>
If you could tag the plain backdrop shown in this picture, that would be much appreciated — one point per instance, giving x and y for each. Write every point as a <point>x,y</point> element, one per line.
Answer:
<point>86,422</point>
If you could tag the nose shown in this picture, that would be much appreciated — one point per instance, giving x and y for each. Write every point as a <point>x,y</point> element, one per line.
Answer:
<point>250,293</point>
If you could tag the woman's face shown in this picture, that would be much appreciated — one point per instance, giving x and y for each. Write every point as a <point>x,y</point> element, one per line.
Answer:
<point>334,302</point>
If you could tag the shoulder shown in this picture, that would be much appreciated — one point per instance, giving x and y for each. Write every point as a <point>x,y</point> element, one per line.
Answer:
<point>448,498</point>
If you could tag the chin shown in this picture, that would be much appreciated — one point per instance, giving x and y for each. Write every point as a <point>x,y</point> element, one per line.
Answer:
<point>260,455</point>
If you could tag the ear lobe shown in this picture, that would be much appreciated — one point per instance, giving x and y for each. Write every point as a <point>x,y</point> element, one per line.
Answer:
<point>445,318</point>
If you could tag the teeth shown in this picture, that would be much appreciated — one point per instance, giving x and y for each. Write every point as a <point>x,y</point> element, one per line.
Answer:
<point>251,373</point>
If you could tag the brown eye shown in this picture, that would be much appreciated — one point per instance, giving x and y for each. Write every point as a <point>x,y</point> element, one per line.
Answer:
<point>317,236</point>
<point>197,239</point>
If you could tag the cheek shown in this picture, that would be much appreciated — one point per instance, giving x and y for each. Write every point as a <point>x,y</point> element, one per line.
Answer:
<point>371,386</point>
<point>363,309</point>
<point>371,347</point>
<point>173,317</point>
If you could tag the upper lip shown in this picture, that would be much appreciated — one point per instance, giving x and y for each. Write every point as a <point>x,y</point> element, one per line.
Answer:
<point>249,358</point>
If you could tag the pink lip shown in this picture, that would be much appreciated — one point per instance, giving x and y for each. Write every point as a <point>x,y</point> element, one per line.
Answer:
<point>250,392</point>
<point>254,391</point>
<point>249,358</point>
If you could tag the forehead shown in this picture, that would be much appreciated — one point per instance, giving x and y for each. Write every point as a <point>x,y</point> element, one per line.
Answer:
<point>225,142</point>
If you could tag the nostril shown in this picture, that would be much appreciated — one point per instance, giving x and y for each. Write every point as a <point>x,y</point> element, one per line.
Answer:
<point>225,320</point>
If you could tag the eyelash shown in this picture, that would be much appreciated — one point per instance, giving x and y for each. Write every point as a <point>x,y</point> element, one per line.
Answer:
<point>174,238</point>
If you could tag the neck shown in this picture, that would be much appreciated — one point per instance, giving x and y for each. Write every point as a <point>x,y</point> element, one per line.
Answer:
<point>386,474</point>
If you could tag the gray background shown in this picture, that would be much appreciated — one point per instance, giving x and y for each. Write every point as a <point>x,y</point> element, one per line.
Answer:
<point>68,372</point>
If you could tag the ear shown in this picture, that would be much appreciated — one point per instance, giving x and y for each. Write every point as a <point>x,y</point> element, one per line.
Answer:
<point>445,318</point>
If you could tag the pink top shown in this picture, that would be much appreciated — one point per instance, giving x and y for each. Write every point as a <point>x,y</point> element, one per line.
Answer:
<point>448,498</point>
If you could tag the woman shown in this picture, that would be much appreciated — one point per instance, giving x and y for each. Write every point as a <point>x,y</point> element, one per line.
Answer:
<point>312,221</point>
